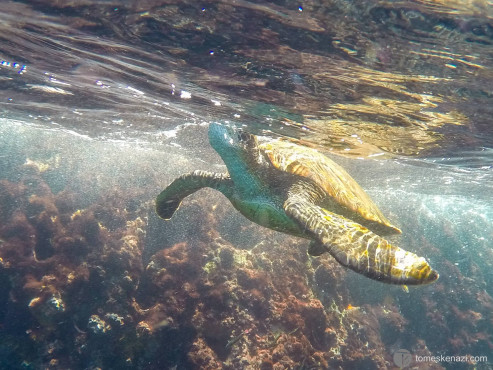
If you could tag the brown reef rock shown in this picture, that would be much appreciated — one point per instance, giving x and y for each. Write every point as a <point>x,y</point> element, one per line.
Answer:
<point>74,280</point>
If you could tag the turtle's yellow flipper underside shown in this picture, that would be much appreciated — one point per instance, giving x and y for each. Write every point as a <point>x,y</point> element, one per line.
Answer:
<point>358,248</point>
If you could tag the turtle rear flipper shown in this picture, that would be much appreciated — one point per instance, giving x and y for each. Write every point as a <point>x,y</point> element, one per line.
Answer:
<point>316,248</point>
<point>168,201</point>
<point>353,245</point>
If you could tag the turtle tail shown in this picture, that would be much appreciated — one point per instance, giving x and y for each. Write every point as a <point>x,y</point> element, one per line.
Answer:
<point>168,201</point>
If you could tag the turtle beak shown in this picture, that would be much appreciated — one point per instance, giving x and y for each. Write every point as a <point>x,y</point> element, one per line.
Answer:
<point>219,133</point>
<point>233,144</point>
<point>230,135</point>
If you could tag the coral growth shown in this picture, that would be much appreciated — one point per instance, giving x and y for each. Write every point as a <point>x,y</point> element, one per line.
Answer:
<point>75,282</point>
<point>72,273</point>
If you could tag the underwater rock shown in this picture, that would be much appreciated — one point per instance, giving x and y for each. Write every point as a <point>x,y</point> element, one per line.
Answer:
<point>201,356</point>
<point>56,257</point>
<point>97,326</point>
<point>76,283</point>
<point>250,312</point>
<point>48,309</point>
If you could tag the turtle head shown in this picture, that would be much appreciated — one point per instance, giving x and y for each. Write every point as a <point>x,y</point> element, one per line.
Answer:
<point>236,147</point>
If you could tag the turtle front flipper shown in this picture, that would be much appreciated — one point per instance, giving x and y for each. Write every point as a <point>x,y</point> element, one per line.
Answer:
<point>353,245</point>
<point>168,201</point>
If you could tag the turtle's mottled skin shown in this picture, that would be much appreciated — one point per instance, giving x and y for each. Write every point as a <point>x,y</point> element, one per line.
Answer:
<point>297,190</point>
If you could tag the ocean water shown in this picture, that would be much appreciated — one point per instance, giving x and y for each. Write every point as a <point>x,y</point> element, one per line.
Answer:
<point>104,103</point>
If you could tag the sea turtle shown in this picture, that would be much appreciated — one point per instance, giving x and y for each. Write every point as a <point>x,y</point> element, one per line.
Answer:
<point>297,190</point>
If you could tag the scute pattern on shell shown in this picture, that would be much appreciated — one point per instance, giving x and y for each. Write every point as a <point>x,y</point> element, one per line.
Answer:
<point>327,174</point>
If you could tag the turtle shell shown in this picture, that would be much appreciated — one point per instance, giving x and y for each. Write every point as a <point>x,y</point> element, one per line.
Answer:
<point>339,186</point>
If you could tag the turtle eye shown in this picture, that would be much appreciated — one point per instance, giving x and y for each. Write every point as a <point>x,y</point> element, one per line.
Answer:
<point>246,139</point>
<point>242,136</point>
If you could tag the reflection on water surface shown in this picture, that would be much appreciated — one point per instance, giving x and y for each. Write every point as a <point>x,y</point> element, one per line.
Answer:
<point>407,78</point>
